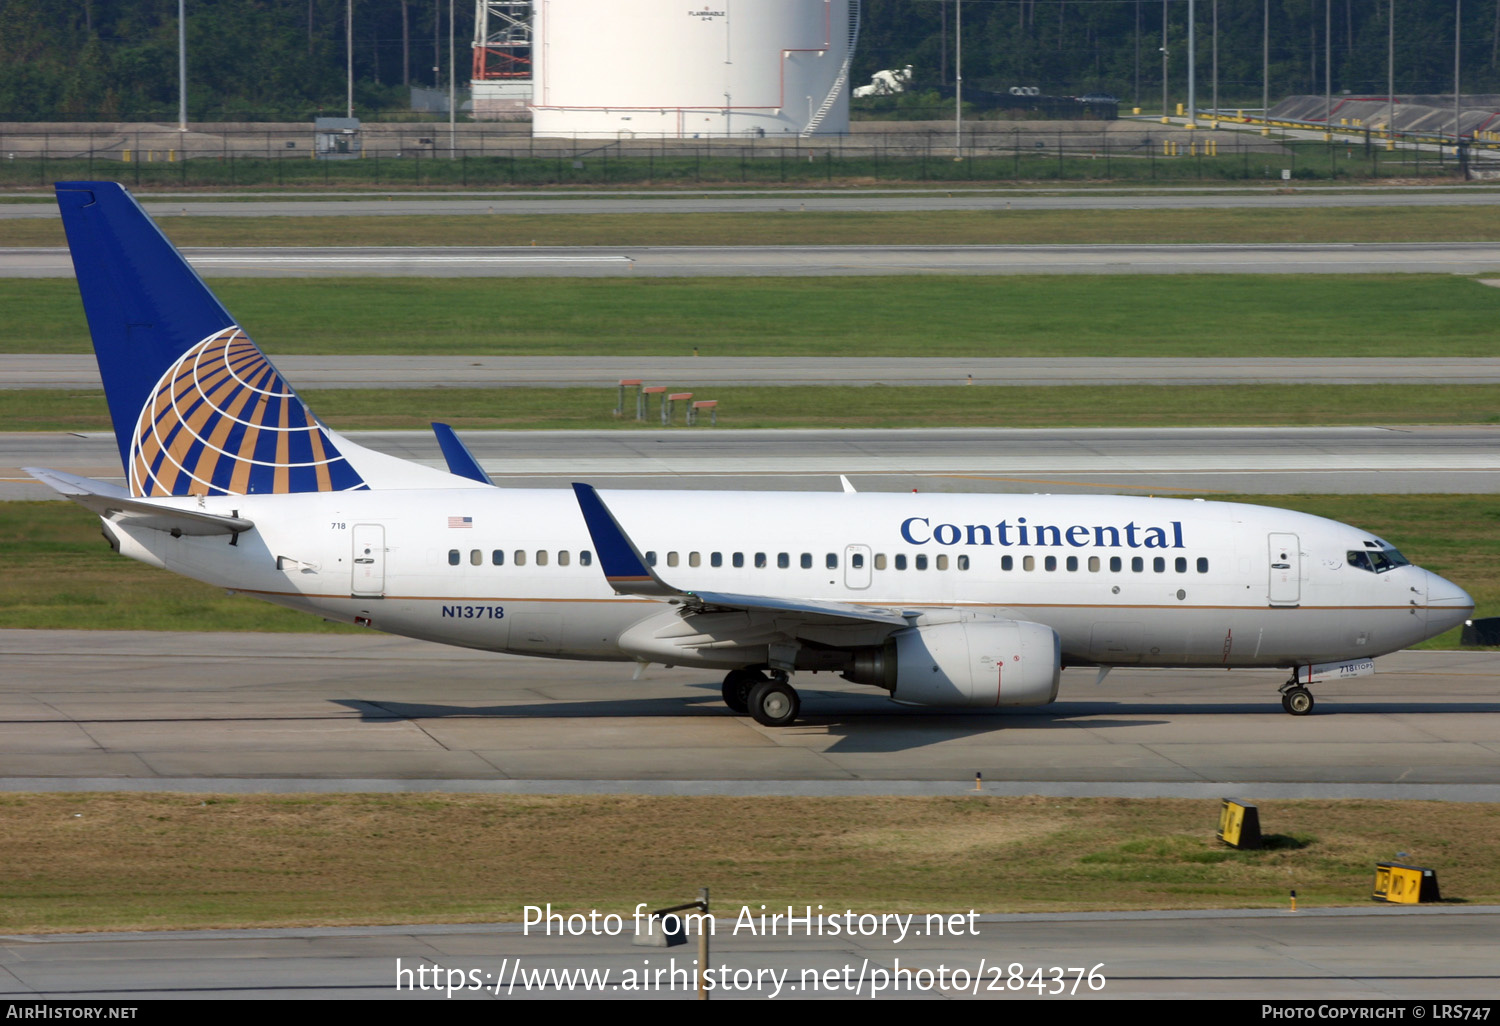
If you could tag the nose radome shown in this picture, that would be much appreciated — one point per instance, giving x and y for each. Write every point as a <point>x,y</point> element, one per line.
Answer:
<point>1448,605</point>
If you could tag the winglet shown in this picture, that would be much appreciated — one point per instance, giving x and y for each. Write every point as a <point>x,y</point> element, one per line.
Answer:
<point>460,460</point>
<point>624,567</point>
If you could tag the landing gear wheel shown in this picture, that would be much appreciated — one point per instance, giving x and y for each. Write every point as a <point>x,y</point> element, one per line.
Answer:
<point>737,687</point>
<point>774,703</point>
<point>1297,701</point>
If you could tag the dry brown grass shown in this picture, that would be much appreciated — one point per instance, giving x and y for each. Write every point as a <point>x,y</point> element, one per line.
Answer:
<point>153,861</point>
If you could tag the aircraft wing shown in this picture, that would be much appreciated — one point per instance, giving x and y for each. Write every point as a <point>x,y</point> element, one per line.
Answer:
<point>628,573</point>
<point>116,503</point>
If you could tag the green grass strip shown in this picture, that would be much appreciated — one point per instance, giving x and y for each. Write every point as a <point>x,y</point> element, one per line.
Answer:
<point>848,407</point>
<point>872,406</point>
<point>1366,316</point>
<point>792,226</point>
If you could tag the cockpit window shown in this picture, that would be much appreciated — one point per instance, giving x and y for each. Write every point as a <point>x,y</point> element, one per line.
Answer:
<point>1376,561</point>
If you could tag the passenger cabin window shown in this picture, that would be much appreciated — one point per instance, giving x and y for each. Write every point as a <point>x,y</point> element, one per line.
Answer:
<point>1050,563</point>
<point>942,562</point>
<point>695,559</point>
<point>563,558</point>
<point>783,560</point>
<point>1072,564</point>
<point>900,561</point>
<point>498,557</point>
<point>1137,564</point>
<point>716,559</point>
<point>476,557</point>
<point>651,559</point>
<point>760,561</point>
<point>1115,564</point>
<point>671,559</point>
<point>585,558</point>
<point>1181,564</point>
<point>453,557</point>
<point>831,561</point>
<point>807,560</point>
<point>1028,562</point>
<point>1159,564</point>
<point>1007,563</point>
<point>857,561</point>
<point>739,559</point>
<point>519,557</point>
<point>1093,564</point>
<point>1202,565</point>
<point>541,557</point>
<point>879,560</point>
<point>921,562</point>
<point>963,562</point>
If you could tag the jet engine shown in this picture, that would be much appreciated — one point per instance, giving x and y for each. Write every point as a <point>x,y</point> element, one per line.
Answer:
<point>972,663</point>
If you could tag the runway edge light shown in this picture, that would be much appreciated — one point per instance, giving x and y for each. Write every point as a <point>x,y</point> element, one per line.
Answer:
<point>1239,824</point>
<point>1405,885</point>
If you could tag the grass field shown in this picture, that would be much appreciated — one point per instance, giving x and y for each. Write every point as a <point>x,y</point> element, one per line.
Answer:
<point>1366,316</point>
<point>873,406</point>
<point>56,572</point>
<point>78,862</point>
<point>794,227</point>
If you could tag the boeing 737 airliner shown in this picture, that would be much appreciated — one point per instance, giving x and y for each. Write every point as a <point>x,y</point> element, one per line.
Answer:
<point>970,601</point>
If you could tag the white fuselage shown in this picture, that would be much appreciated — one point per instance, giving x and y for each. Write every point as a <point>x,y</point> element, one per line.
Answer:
<point>1122,580</point>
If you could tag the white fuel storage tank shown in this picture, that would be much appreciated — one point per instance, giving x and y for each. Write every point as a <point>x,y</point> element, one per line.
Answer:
<point>610,69</point>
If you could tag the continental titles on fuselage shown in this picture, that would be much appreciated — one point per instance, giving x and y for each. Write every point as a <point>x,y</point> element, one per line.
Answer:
<point>920,531</point>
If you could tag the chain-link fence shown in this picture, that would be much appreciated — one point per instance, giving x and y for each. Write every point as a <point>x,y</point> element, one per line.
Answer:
<point>497,156</point>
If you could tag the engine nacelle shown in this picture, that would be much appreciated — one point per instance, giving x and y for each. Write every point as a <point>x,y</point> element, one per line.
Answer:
<point>978,663</point>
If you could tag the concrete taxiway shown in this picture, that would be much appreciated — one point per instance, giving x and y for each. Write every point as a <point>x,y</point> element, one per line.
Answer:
<point>1435,954</point>
<point>37,370</point>
<point>803,261</point>
<point>1268,461</point>
<point>108,710</point>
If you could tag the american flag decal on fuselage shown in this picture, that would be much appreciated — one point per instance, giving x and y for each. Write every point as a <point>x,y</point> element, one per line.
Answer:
<point>222,421</point>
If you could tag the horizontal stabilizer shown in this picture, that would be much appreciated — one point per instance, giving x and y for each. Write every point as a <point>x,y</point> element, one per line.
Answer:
<point>115,503</point>
<point>460,460</point>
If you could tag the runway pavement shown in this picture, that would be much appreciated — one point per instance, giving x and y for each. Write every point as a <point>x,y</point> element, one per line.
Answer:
<point>34,370</point>
<point>1155,460</point>
<point>1379,955</point>
<point>110,710</point>
<point>802,261</point>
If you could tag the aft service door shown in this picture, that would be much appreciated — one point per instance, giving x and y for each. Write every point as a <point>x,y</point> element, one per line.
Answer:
<point>857,566</point>
<point>368,578</point>
<point>1286,570</point>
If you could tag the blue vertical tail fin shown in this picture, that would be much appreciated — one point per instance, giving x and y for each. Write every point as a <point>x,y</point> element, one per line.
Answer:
<point>197,408</point>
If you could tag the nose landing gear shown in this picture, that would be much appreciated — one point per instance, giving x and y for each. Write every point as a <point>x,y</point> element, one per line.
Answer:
<point>771,700</point>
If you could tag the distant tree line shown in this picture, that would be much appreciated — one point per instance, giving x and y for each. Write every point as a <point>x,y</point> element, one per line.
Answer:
<point>1078,47</point>
<point>285,59</point>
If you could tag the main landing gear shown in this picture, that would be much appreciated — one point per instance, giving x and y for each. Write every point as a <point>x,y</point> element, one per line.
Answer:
<point>1295,698</point>
<point>769,699</point>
